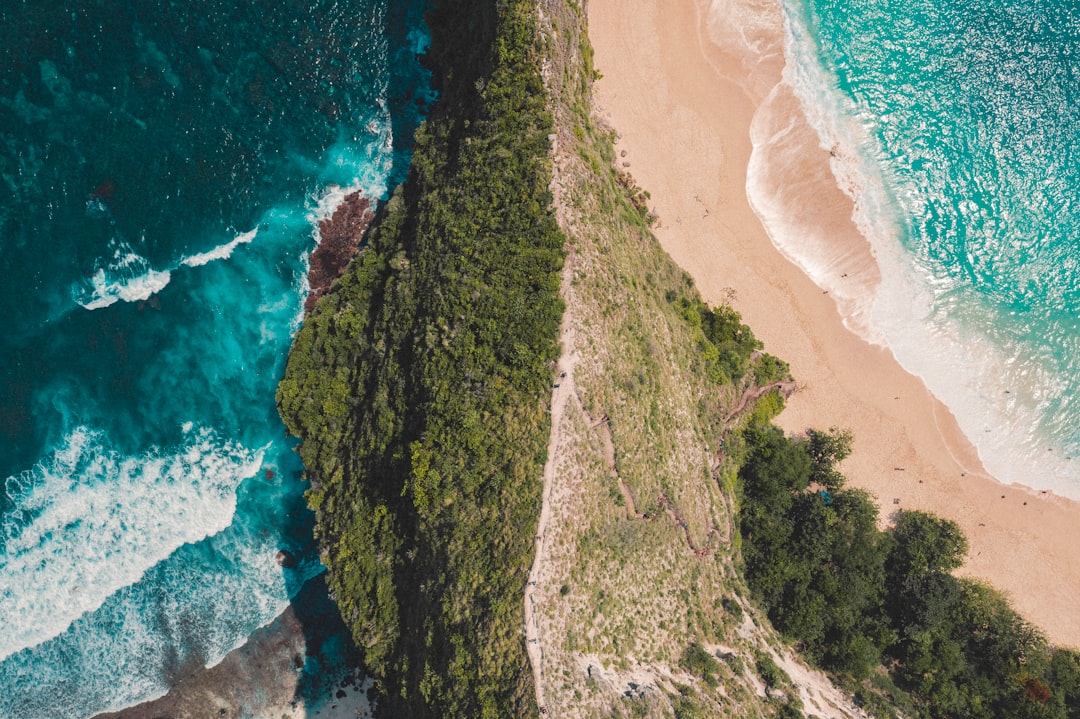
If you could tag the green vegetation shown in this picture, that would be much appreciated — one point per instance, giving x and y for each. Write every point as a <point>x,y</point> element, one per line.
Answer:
<point>418,386</point>
<point>698,661</point>
<point>724,342</point>
<point>859,600</point>
<point>770,673</point>
<point>686,708</point>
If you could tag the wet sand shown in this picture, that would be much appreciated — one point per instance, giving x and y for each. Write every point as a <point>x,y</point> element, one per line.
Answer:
<point>299,666</point>
<point>683,98</point>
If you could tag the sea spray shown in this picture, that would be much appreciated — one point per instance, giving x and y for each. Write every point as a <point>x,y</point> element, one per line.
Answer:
<point>788,187</point>
<point>126,276</point>
<point>798,154</point>
<point>87,522</point>
<point>221,252</point>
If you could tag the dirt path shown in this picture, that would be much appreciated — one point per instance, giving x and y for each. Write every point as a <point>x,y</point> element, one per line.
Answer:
<point>561,392</point>
<point>564,391</point>
<point>634,510</point>
<point>787,388</point>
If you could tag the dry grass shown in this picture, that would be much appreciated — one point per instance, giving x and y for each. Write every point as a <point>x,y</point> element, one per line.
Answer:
<point>621,592</point>
<point>620,596</point>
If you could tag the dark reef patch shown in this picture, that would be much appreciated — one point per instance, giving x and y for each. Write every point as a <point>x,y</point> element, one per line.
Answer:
<point>339,238</point>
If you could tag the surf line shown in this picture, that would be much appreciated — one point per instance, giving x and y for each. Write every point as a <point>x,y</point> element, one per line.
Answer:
<point>129,277</point>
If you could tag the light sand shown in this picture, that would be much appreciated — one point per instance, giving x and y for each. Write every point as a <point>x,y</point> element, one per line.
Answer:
<point>683,107</point>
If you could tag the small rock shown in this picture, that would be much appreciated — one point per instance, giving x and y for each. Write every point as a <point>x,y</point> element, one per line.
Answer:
<point>286,559</point>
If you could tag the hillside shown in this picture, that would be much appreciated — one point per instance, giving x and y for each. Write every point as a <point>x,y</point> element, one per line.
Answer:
<point>421,387</point>
<point>638,602</point>
<point>543,472</point>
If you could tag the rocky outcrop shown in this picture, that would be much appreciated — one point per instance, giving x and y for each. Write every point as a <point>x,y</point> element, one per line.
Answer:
<point>339,238</point>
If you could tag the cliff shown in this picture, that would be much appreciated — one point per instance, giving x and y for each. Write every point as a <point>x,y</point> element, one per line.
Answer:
<point>528,440</point>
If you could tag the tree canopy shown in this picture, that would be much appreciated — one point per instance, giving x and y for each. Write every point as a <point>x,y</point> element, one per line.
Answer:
<point>858,599</point>
<point>418,385</point>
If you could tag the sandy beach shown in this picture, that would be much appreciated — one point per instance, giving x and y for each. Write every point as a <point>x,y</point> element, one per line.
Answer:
<point>683,97</point>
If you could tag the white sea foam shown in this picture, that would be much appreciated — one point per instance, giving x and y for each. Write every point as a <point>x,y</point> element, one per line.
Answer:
<point>221,252</point>
<point>1004,399</point>
<point>323,205</point>
<point>796,117</point>
<point>751,31</point>
<point>301,288</point>
<point>786,192</point>
<point>128,276</point>
<point>87,521</point>
<point>132,649</point>
<point>362,163</point>
<point>998,391</point>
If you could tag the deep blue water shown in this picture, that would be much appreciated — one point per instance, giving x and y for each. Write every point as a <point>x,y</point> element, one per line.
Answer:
<point>162,168</point>
<point>959,123</point>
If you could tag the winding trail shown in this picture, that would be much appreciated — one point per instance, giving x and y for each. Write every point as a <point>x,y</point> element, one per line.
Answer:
<point>787,388</point>
<point>663,502</point>
<point>563,391</point>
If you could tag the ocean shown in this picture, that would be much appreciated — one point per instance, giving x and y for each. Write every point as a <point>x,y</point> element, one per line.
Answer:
<point>163,168</point>
<point>955,128</point>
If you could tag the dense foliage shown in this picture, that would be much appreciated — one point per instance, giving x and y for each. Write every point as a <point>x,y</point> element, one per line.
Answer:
<point>725,343</point>
<point>418,386</point>
<point>858,599</point>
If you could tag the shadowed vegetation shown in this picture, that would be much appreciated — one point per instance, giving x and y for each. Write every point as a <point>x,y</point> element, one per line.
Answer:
<point>418,386</point>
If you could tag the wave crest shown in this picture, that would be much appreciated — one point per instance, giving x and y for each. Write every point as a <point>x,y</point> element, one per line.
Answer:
<point>221,252</point>
<point>128,276</point>
<point>87,521</point>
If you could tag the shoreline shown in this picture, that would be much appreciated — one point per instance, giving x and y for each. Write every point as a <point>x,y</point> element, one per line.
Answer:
<point>690,146</point>
<point>302,664</point>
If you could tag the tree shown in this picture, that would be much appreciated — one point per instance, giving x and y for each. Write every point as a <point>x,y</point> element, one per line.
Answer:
<point>925,543</point>
<point>925,549</point>
<point>827,450</point>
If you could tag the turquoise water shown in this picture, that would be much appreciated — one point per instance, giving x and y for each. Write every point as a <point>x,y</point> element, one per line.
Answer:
<point>162,168</point>
<point>959,125</point>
